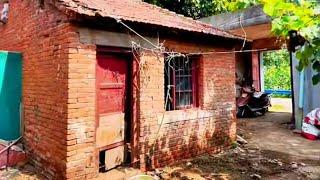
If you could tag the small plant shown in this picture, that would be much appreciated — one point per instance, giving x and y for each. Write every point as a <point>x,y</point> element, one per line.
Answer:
<point>234,144</point>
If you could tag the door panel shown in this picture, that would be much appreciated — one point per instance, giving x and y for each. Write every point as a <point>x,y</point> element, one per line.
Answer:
<point>110,130</point>
<point>114,157</point>
<point>112,77</point>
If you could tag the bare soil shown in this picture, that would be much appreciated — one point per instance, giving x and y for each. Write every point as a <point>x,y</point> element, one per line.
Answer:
<point>20,172</point>
<point>272,152</point>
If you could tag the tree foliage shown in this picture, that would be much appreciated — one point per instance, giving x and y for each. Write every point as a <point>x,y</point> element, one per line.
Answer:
<point>300,15</point>
<point>277,70</point>
<point>193,8</point>
<point>241,4</point>
<point>276,58</point>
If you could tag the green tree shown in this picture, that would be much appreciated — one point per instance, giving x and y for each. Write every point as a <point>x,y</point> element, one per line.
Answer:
<point>193,8</point>
<point>276,58</point>
<point>277,70</point>
<point>300,15</point>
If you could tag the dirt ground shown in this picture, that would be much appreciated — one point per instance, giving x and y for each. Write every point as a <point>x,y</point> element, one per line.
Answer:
<point>20,172</point>
<point>281,105</point>
<point>272,152</point>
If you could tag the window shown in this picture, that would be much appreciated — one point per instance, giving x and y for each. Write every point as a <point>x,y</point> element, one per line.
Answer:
<point>181,83</point>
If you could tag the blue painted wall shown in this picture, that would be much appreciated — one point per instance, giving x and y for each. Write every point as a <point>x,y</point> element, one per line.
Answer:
<point>278,92</point>
<point>10,94</point>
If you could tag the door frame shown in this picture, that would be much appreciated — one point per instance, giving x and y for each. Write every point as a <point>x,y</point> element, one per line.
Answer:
<point>130,103</point>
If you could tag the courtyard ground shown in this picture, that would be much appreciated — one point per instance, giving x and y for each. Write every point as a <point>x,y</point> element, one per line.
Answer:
<point>281,105</point>
<point>272,152</point>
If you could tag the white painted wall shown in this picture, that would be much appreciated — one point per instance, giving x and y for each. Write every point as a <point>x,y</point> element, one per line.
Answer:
<point>262,71</point>
<point>311,94</point>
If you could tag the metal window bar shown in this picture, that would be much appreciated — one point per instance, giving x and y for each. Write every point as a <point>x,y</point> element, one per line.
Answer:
<point>183,83</point>
<point>180,83</point>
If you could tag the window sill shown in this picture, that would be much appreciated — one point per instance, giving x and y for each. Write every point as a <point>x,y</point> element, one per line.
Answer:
<point>184,115</point>
<point>183,109</point>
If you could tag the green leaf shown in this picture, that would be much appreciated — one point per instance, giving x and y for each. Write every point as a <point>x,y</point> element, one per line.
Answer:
<point>300,66</point>
<point>316,66</point>
<point>316,79</point>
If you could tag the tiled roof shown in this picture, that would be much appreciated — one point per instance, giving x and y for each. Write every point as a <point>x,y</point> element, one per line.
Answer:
<point>138,11</point>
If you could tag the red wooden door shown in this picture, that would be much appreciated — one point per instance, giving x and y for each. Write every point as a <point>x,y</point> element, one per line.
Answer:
<point>112,77</point>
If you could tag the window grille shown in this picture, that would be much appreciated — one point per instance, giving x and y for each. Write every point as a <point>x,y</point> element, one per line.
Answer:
<point>180,83</point>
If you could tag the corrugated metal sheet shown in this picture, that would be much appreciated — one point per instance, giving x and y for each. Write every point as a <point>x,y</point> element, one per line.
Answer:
<point>138,11</point>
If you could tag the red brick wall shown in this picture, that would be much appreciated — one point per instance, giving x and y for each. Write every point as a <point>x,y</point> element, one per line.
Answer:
<point>42,36</point>
<point>59,97</point>
<point>186,133</point>
<point>58,90</point>
<point>82,162</point>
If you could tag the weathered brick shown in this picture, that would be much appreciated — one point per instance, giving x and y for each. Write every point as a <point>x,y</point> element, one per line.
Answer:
<point>186,137</point>
<point>59,97</point>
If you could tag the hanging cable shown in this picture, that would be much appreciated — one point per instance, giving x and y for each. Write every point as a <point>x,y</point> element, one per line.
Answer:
<point>125,25</point>
<point>160,49</point>
<point>170,56</point>
<point>244,32</point>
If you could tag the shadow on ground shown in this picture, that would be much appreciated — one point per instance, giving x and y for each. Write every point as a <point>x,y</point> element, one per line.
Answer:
<point>273,152</point>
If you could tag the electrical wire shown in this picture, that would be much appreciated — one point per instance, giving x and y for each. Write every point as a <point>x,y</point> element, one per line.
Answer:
<point>170,55</point>
<point>244,32</point>
<point>160,49</point>
<point>145,39</point>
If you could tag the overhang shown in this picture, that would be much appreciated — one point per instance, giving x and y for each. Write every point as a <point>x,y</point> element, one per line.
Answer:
<point>252,24</point>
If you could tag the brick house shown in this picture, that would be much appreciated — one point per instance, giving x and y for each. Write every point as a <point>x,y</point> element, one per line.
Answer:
<point>96,94</point>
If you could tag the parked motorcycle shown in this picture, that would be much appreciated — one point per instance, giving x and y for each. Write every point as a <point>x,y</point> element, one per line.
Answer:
<point>252,103</point>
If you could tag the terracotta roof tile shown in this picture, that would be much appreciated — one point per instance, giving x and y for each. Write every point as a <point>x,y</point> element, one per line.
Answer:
<point>138,11</point>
